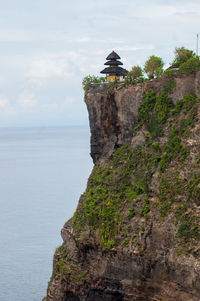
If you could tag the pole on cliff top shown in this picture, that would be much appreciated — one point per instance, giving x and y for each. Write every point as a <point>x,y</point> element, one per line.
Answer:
<point>197,44</point>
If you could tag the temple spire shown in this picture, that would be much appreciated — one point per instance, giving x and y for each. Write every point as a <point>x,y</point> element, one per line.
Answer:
<point>114,72</point>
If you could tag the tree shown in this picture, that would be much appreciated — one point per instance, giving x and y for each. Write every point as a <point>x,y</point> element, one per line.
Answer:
<point>136,72</point>
<point>191,65</point>
<point>182,55</point>
<point>134,76</point>
<point>154,66</point>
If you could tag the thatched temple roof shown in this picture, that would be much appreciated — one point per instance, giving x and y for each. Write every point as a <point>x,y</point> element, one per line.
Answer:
<point>113,56</point>
<point>115,70</point>
<point>113,63</point>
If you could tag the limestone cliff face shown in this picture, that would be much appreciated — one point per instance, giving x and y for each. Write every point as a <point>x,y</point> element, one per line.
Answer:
<point>113,116</point>
<point>135,234</point>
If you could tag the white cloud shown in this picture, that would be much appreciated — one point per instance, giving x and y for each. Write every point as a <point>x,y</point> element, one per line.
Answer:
<point>6,108</point>
<point>135,48</point>
<point>58,64</point>
<point>45,68</point>
<point>7,35</point>
<point>60,106</point>
<point>27,101</point>
<point>49,107</point>
<point>4,103</point>
<point>83,40</point>
<point>158,11</point>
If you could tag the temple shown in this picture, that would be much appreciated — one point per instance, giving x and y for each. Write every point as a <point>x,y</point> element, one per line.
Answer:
<point>114,72</point>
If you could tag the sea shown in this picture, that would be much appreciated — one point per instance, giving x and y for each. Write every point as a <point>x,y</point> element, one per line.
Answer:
<point>43,172</point>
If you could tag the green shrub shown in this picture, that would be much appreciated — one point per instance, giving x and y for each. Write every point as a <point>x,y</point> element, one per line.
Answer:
<point>128,80</point>
<point>170,188</point>
<point>188,230</point>
<point>125,242</point>
<point>145,209</point>
<point>131,213</point>
<point>112,84</point>
<point>193,190</point>
<point>169,86</point>
<point>121,155</point>
<point>154,111</point>
<point>154,66</point>
<point>109,243</point>
<point>186,104</point>
<point>182,55</point>
<point>136,72</point>
<point>153,126</point>
<point>191,65</point>
<point>62,269</point>
<point>134,76</point>
<point>156,146</point>
<point>163,105</point>
<point>170,73</point>
<point>91,79</point>
<point>142,230</point>
<point>149,101</point>
<point>173,149</point>
<point>141,185</point>
<point>180,210</point>
<point>165,208</point>
<point>79,277</point>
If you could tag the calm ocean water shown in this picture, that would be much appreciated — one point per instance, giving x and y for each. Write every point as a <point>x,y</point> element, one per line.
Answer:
<point>42,174</point>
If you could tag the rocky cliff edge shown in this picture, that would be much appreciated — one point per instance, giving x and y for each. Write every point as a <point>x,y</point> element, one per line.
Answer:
<point>135,234</point>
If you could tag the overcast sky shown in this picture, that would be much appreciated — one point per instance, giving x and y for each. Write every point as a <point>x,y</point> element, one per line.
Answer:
<point>48,46</point>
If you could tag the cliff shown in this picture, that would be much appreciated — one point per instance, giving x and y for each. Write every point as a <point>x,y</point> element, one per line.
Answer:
<point>135,234</point>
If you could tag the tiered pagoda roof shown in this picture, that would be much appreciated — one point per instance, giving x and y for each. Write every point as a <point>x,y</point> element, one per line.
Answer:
<point>113,56</point>
<point>113,62</point>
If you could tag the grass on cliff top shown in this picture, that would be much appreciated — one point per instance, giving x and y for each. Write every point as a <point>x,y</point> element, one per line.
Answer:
<point>120,190</point>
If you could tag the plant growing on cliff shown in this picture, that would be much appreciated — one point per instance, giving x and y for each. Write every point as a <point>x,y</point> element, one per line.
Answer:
<point>111,187</point>
<point>191,65</point>
<point>185,62</point>
<point>154,111</point>
<point>91,79</point>
<point>182,55</point>
<point>145,209</point>
<point>134,76</point>
<point>154,66</point>
<point>136,72</point>
<point>111,85</point>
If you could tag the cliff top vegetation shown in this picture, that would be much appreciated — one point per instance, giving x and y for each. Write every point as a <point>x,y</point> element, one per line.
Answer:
<point>184,62</point>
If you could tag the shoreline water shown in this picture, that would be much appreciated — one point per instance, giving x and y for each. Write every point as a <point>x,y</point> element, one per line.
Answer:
<point>42,174</point>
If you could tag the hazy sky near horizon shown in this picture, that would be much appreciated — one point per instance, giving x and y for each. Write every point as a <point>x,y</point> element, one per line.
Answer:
<point>48,46</point>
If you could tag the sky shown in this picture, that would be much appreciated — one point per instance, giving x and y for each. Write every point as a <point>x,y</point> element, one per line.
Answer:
<point>48,46</point>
